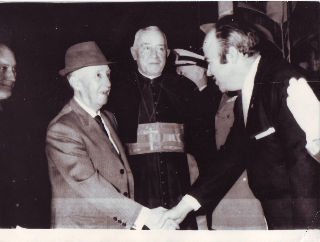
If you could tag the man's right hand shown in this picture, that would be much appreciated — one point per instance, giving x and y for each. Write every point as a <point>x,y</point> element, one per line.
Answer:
<point>179,212</point>
<point>157,220</point>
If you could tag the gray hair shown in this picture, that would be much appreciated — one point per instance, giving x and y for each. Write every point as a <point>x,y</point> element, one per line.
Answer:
<point>148,29</point>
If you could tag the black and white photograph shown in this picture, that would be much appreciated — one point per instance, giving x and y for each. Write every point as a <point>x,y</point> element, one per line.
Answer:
<point>159,120</point>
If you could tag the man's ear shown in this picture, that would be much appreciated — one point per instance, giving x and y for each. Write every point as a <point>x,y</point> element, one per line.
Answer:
<point>232,55</point>
<point>74,83</point>
<point>133,53</point>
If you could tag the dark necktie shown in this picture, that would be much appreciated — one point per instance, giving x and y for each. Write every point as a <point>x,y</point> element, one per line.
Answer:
<point>99,121</point>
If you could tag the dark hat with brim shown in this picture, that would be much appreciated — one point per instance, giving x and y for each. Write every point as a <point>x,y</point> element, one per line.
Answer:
<point>187,58</point>
<point>82,55</point>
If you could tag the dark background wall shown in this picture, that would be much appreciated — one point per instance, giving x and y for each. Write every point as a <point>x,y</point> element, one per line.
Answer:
<point>40,33</point>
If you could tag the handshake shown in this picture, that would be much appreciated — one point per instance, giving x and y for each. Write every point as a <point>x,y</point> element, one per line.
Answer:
<point>161,218</point>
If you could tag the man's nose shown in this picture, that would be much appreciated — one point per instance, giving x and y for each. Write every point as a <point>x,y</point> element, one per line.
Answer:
<point>107,82</point>
<point>209,73</point>
<point>153,52</point>
<point>10,74</point>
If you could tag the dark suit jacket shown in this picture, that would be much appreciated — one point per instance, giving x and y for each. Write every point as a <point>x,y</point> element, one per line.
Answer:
<point>91,184</point>
<point>281,174</point>
<point>24,183</point>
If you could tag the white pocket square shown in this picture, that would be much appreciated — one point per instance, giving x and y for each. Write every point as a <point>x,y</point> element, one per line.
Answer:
<point>269,131</point>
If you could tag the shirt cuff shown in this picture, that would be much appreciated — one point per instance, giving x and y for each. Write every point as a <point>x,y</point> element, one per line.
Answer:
<point>141,219</point>
<point>203,87</point>
<point>313,147</point>
<point>192,202</point>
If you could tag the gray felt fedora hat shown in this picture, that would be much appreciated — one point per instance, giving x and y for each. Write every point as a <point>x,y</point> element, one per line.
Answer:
<point>82,55</point>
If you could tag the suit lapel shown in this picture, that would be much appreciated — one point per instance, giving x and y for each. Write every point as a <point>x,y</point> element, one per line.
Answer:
<point>114,136</point>
<point>257,85</point>
<point>108,154</point>
<point>238,112</point>
<point>123,157</point>
<point>92,126</point>
<point>257,120</point>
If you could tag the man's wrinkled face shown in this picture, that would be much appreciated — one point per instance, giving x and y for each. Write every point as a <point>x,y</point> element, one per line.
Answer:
<point>225,74</point>
<point>150,53</point>
<point>7,72</point>
<point>93,84</point>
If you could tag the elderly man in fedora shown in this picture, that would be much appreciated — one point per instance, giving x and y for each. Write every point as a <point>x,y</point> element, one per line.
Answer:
<point>92,184</point>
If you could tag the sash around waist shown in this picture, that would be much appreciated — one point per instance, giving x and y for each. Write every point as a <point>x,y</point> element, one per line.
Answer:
<point>158,137</point>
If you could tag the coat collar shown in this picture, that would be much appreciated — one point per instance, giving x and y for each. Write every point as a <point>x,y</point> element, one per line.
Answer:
<point>89,122</point>
<point>257,120</point>
<point>82,114</point>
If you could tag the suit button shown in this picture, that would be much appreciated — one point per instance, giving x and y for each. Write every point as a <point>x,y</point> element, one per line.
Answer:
<point>115,218</point>
<point>125,193</point>
<point>119,221</point>
<point>124,224</point>
<point>17,205</point>
<point>121,171</point>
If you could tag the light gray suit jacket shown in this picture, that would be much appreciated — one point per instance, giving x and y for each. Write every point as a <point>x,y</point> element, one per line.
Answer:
<point>92,185</point>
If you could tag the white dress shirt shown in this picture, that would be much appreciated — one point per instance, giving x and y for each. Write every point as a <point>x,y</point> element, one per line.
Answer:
<point>93,114</point>
<point>247,88</point>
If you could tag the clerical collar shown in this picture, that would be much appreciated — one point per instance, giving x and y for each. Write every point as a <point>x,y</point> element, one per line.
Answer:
<point>89,110</point>
<point>149,77</point>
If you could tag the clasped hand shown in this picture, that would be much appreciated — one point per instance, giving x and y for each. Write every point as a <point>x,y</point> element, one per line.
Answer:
<point>169,219</point>
<point>161,218</point>
<point>158,220</point>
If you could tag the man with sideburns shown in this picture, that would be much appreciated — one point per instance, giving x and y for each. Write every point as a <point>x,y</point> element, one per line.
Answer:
<point>266,138</point>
